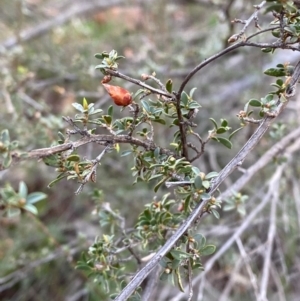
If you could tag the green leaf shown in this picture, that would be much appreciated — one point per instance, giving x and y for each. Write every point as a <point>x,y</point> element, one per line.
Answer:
<point>195,170</point>
<point>59,177</point>
<point>5,137</point>
<point>30,208</point>
<point>83,267</point>
<point>159,120</point>
<point>214,122</point>
<point>275,72</point>
<point>73,158</point>
<point>78,107</point>
<point>110,111</point>
<point>215,213</point>
<point>159,184</point>
<point>35,197</point>
<point>178,254</point>
<point>23,190</point>
<point>211,175</point>
<point>276,33</point>
<point>194,105</point>
<point>52,160</point>
<point>192,92</point>
<point>206,184</point>
<point>184,98</point>
<point>267,50</point>
<point>198,182</point>
<point>234,132</point>
<point>169,85</point>
<point>99,56</point>
<point>201,240</point>
<point>221,130</point>
<point>254,103</point>
<point>208,250</point>
<point>97,111</point>
<point>61,136</point>
<point>157,152</point>
<point>229,207</point>
<point>126,153</point>
<point>224,122</point>
<point>225,142</point>
<point>145,105</point>
<point>107,119</point>
<point>179,281</point>
<point>155,176</point>
<point>101,66</point>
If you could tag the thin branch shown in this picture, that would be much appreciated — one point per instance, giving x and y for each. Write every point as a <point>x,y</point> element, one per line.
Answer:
<point>182,127</point>
<point>231,282</point>
<point>254,17</point>
<point>139,83</point>
<point>271,234</point>
<point>91,175</point>
<point>246,259</point>
<point>100,139</point>
<point>190,273</point>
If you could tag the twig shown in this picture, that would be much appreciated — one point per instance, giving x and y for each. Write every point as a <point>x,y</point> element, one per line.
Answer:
<point>190,273</point>
<point>277,280</point>
<point>100,139</point>
<point>235,37</point>
<point>26,98</point>
<point>271,234</point>
<point>246,259</point>
<point>182,127</point>
<point>139,83</point>
<point>91,175</point>
<point>296,193</point>
<point>231,282</point>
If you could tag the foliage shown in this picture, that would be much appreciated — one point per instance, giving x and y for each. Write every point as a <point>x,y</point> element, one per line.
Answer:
<point>157,107</point>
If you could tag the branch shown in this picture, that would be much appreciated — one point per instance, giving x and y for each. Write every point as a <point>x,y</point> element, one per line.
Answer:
<point>100,139</point>
<point>235,37</point>
<point>271,235</point>
<point>138,82</point>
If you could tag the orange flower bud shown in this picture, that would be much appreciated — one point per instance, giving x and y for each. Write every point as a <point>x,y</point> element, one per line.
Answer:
<point>106,79</point>
<point>120,96</point>
<point>144,76</point>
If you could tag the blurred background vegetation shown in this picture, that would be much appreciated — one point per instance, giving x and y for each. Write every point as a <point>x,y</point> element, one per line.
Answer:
<point>47,62</point>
